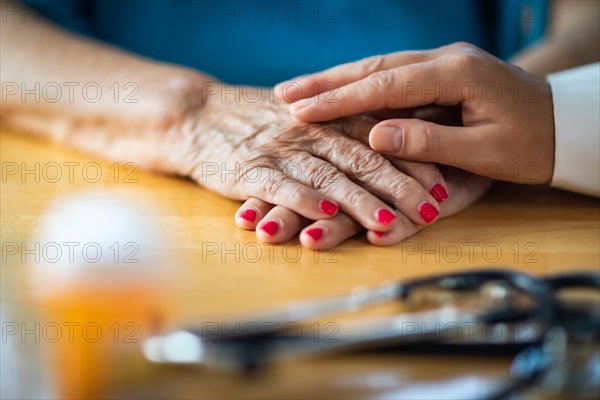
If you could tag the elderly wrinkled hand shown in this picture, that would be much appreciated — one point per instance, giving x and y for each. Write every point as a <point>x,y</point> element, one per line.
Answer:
<point>277,224</point>
<point>255,150</point>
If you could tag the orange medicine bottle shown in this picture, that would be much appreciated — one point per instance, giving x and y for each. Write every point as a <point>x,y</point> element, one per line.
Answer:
<point>106,292</point>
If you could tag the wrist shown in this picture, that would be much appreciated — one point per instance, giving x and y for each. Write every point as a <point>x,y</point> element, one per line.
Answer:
<point>151,129</point>
<point>178,93</point>
<point>228,114</point>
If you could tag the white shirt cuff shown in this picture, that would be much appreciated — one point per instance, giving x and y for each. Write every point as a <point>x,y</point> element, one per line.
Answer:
<point>576,97</point>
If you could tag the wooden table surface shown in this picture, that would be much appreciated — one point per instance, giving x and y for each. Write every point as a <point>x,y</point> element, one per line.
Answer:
<point>533,229</point>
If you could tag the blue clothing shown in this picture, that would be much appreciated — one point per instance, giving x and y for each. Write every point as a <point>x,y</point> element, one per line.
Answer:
<point>264,42</point>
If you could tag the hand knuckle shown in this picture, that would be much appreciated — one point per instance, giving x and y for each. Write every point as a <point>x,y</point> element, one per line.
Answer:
<point>322,177</point>
<point>462,46</point>
<point>355,197</point>
<point>369,65</point>
<point>296,196</point>
<point>403,189</point>
<point>467,60</point>
<point>365,163</point>
<point>423,141</point>
<point>273,185</point>
<point>381,80</point>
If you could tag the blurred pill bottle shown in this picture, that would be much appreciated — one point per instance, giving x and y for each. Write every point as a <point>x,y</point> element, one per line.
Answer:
<point>101,283</point>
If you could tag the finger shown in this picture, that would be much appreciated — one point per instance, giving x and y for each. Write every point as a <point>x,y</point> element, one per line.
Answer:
<point>393,88</point>
<point>413,139</point>
<point>311,85</point>
<point>277,188</point>
<point>354,200</point>
<point>280,225</point>
<point>252,211</point>
<point>405,228</point>
<point>467,188</point>
<point>427,174</point>
<point>328,233</point>
<point>379,177</point>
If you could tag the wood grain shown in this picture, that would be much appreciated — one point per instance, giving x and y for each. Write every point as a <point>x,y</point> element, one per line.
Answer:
<point>219,270</point>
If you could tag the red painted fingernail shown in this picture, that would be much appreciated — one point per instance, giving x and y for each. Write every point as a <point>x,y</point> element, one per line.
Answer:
<point>439,193</point>
<point>328,207</point>
<point>270,227</point>
<point>315,233</point>
<point>249,215</point>
<point>428,212</point>
<point>378,234</point>
<point>384,216</point>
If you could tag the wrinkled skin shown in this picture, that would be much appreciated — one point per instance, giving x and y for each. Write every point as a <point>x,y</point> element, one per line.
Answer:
<point>255,151</point>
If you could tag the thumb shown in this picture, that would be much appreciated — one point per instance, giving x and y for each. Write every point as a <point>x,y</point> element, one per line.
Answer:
<point>415,139</point>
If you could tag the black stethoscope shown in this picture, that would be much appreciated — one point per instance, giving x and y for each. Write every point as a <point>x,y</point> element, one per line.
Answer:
<point>504,299</point>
